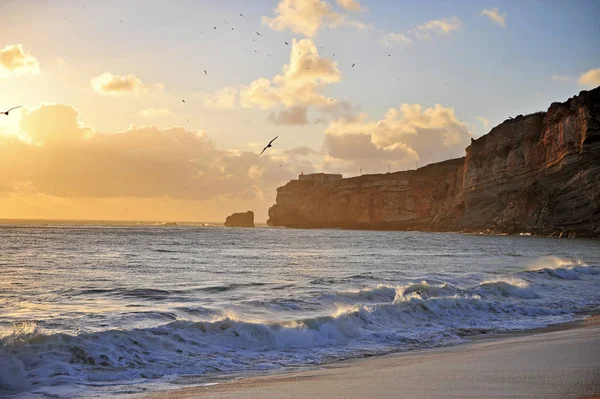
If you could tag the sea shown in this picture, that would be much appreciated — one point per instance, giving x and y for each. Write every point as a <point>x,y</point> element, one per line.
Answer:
<point>108,310</point>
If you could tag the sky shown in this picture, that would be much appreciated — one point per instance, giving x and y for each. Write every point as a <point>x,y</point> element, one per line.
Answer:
<point>158,110</point>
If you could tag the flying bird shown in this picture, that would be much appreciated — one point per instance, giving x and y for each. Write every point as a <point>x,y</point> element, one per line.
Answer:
<point>287,44</point>
<point>353,65</point>
<point>6,112</point>
<point>258,33</point>
<point>215,27</point>
<point>182,101</point>
<point>241,15</point>
<point>268,145</point>
<point>206,73</point>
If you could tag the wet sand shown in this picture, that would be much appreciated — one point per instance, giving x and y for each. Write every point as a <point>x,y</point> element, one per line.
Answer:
<point>555,363</point>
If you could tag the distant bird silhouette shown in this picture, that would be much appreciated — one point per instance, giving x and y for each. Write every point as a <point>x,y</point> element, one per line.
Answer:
<point>258,33</point>
<point>182,101</point>
<point>241,15</point>
<point>353,65</point>
<point>6,112</point>
<point>287,44</point>
<point>206,73</point>
<point>215,27</point>
<point>268,145</point>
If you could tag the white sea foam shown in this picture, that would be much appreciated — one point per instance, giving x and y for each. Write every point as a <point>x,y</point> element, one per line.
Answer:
<point>416,315</point>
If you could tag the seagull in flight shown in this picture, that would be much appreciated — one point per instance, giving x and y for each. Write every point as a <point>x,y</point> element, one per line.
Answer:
<point>268,145</point>
<point>6,112</point>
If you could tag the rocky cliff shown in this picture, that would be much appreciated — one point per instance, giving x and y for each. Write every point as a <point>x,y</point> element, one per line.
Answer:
<point>240,219</point>
<point>538,173</point>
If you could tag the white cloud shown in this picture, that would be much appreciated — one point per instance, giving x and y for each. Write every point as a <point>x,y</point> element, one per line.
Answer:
<point>437,27</point>
<point>298,84</point>
<point>562,78</point>
<point>590,78</point>
<point>428,30</point>
<point>350,5</point>
<point>156,113</point>
<point>307,17</point>
<point>495,16</point>
<point>115,85</point>
<point>406,134</point>
<point>15,61</point>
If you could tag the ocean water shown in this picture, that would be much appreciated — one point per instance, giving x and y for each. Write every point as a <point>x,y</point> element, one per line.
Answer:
<point>93,311</point>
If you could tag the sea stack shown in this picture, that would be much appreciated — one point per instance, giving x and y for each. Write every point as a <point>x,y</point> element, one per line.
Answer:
<point>240,219</point>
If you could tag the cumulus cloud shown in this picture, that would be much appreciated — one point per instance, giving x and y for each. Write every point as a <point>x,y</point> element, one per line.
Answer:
<point>307,17</point>
<point>115,85</point>
<point>298,84</point>
<point>495,16</point>
<point>296,115</point>
<point>15,61</point>
<point>590,78</point>
<point>408,133</point>
<point>562,78</point>
<point>156,113</point>
<point>68,159</point>
<point>350,5</point>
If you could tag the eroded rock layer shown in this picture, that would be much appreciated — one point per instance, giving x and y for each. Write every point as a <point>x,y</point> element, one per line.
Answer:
<point>538,173</point>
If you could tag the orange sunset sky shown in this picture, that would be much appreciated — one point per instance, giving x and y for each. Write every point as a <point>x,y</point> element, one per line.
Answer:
<point>104,132</point>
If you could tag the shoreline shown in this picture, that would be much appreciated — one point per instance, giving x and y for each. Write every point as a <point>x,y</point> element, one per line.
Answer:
<point>559,361</point>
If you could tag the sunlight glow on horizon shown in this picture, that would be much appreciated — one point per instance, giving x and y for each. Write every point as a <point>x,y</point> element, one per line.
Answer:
<point>120,121</point>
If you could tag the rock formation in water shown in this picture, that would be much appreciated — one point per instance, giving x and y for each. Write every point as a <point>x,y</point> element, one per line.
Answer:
<point>538,174</point>
<point>241,219</point>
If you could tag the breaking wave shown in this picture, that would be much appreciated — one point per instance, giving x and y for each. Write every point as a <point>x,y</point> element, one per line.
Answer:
<point>374,320</point>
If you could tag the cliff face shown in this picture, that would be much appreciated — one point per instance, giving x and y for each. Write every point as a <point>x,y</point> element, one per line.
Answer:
<point>538,173</point>
<point>241,219</point>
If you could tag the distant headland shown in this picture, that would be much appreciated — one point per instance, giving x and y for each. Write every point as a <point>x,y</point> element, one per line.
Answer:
<point>536,174</point>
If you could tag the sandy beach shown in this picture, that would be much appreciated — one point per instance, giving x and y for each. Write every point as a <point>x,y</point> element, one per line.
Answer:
<point>563,363</point>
